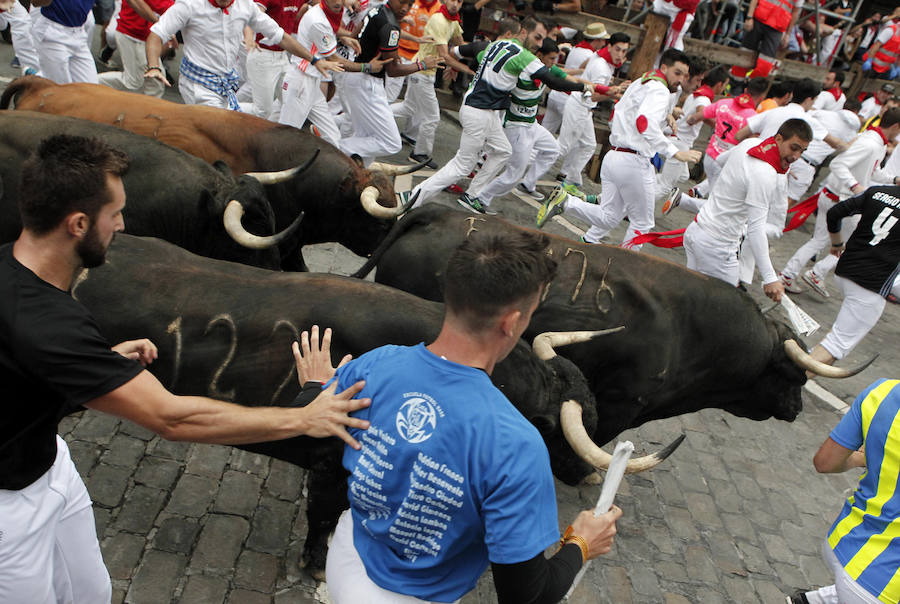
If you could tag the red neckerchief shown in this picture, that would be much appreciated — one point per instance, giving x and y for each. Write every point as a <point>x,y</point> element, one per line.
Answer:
<point>880,133</point>
<point>836,92</point>
<point>584,44</point>
<point>603,53</point>
<point>222,8</point>
<point>427,5</point>
<point>655,75</point>
<point>334,19</point>
<point>705,91</point>
<point>768,152</point>
<point>446,13</point>
<point>744,101</point>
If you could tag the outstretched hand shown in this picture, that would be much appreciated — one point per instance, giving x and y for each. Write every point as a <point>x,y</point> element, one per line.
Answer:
<point>328,413</point>
<point>314,361</point>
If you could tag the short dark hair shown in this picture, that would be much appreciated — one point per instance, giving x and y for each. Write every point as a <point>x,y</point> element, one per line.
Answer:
<point>839,76</point>
<point>779,88</point>
<point>530,23</point>
<point>548,46</point>
<point>490,272</point>
<point>796,127</point>
<point>672,56</point>
<point>618,37</point>
<point>697,65</point>
<point>890,117</point>
<point>716,75</point>
<point>852,105</point>
<point>509,25</point>
<point>805,89</point>
<point>67,174</point>
<point>756,87</point>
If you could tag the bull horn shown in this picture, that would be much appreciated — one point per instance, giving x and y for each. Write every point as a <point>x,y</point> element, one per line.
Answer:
<point>369,200</point>
<point>544,343</point>
<point>394,170</point>
<point>273,178</point>
<point>587,449</point>
<point>234,211</point>
<point>805,361</point>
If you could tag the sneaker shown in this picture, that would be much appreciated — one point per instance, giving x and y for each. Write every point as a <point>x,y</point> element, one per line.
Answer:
<point>420,158</point>
<point>790,286</point>
<point>553,205</point>
<point>30,71</point>
<point>455,189</point>
<point>672,201</point>
<point>573,190</point>
<point>314,130</point>
<point>892,299</point>
<point>695,192</point>
<point>408,139</point>
<point>590,198</point>
<point>816,283</point>
<point>15,62</point>
<point>798,597</point>
<point>561,177</point>
<point>473,204</point>
<point>521,190</point>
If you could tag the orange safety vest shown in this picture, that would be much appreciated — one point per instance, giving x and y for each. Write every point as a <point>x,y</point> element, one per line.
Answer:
<point>774,13</point>
<point>887,55</point>
<point>420,14</point>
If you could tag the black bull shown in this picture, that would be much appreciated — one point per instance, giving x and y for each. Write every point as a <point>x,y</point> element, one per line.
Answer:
<point>225,330</point>
<point>170,194</point>
<point>690,342</point>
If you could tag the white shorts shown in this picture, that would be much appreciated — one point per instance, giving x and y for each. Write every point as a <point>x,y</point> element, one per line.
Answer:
<point>50,553</point>
<point>859,313</point>
<point>345,573</point>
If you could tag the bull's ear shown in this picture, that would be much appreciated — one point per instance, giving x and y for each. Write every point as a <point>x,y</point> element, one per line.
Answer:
<point>222,167</point>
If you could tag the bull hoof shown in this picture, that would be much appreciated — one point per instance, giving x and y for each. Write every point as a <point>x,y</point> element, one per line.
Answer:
<point>594,478</point>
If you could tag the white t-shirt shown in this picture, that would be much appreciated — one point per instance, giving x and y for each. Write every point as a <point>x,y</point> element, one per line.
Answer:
<point>574,59</point>
<point>767,123</point>
<point>826,101</point>
<point>639,118</point>
<point>597,71</point>
<point>315,33</point>
<point>686,134</point>
<point>843,125</point>
<point>869,109</point>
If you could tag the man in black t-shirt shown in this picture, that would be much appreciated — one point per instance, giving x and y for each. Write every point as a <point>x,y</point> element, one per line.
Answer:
<point>375,131</point>
<point>54,361</point>
<point>867,270</point>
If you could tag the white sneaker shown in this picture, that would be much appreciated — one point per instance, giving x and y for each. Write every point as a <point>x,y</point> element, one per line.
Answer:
<point>790,285</point>
<point>815,282</point>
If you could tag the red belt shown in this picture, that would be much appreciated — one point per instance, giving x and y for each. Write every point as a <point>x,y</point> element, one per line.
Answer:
<point>624,150</point>
<point>829,194</point>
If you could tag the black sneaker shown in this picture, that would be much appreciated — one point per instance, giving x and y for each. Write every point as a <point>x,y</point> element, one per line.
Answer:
<point>407,139</point>
<point>553,205</point>
<point>473,204</point>
<point>798,597</point>
<point>420,158</point>
<point>521,191</point>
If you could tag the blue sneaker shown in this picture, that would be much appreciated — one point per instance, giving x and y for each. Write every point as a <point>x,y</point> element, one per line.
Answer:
<point>554,204</point>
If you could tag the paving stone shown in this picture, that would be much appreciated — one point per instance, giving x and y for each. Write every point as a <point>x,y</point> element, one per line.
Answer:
<point>169,449</point>
<point>725,495</point>
<point>690,478</point>
<point>769,592</point>
<point>204,588</point>
<point>238,493</point>
<point>645,582</point>
<point>252,463</point>
<point>118,595</point>
<point>85,456</point>
<point>737,525</point>
<point>96,427</point>
<point>285,480</point>
<point>193,495</point>
<point>710,596</point>
<point>102,517</point>
<point>618,585</point>
<point>67,424</point>
<point>124,451</point>
<point>778,548</point>
<point>242,596</point>
<point>132,429</point>
<point>754,558</point>
<point>789,574</point>
<point>140,509</point>
<point>158,472</point>
<point>219,544</point>
<point>661,537</point>
<point>703,509</point>
<point>295,595</point>
<point>208,460</point>
<point>681,523</point>
<point>724,552</point>
<point>267,531</point>
<point>740,590</point>
<point>668,488</point>
<point>671,571</point>
<point>699,564</point>
<point>814,569</point>
<point>675,599</point>
<point>156,578</point>
<point>256,571</point>
<point>746,486</point>
<point>176,534</point>
<point>647,502</point>
<point>121,554</point>
<point>107,484</point>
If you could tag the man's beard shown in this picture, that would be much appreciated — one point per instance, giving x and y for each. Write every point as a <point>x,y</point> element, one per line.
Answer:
<point>91,250</point>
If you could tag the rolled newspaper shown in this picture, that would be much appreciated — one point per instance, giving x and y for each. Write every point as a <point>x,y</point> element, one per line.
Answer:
<point>802,323</point>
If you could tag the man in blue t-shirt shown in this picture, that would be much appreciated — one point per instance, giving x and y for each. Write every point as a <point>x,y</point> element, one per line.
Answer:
<point>60,33</point>
<point>861,547</point>
<point>451,476</point>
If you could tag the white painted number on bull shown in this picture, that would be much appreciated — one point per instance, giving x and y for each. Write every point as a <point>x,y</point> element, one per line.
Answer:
<point>295,334</point>
<point>882,225</point>
<point>175,328</point>
<point>224,319</point>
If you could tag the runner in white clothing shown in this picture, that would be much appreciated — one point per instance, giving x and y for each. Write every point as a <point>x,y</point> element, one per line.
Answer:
<point>212,32</point>
<point>740,202</point>
<point>16,17</point>
<point>831,98</point>
<point>627,176</point>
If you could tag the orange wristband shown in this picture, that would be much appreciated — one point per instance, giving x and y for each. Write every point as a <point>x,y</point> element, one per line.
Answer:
<point>570,537</point>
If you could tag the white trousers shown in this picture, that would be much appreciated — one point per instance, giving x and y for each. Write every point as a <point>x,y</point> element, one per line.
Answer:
<point>264,69</point>
<point>193,93</point>
<point>672,174</point>
<point>302,99</point>
<point>827,263</point>
<point>524,139</point>
<point>628,185</point>
<point>421,110</point>
<point>50,553</point>
<point>816,243</point>
<point>134,64</point>
<point>393,86</point>
<point>374,130</point>
<point>712,169</point>
<point>345,573</point>
<point>711,256</point>
<point>859,313</point>
<point>556,104</point>
<point>577,141</point>
<point>64,52</point>
<point>481,130</point>
<point>799,178</point>
<point>674,38</point>
<point>20,28</point>
<point>845,589</point>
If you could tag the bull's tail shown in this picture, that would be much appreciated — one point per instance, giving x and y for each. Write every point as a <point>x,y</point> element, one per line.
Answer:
<point>23,84</point>
<point>422,215</point>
